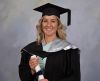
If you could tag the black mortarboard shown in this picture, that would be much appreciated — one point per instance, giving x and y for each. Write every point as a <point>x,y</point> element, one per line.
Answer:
<point>51,9</point>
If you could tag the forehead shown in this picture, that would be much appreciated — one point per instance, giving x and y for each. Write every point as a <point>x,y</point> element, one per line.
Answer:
<point>50,17</point>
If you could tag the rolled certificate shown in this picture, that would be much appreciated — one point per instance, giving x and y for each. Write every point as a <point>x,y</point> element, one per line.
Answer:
<point>38,70</point>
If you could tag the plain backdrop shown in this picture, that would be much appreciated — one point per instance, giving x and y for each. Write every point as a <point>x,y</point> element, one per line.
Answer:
<point>17,29</point>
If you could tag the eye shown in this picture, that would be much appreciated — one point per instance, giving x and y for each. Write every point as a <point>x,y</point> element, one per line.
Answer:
<point>44,20</point>
<point>53,21</point>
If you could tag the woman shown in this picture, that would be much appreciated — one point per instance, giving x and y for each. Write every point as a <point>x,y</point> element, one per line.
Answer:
<point>59,60</point>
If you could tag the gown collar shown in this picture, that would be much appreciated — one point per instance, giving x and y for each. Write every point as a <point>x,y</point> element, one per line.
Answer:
<point>57,45</point>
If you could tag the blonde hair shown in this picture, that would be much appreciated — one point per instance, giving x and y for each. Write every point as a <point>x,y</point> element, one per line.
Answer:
<point>60,31</point>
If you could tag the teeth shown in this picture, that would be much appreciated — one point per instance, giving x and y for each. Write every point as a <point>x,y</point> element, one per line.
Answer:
<point>48,29</point>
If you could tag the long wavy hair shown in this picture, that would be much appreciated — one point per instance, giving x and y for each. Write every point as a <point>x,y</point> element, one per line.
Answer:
<point>60,31</point>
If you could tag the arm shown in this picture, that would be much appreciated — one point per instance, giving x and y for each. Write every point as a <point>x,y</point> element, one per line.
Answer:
<point>25,73</point>
<point>73,73</point>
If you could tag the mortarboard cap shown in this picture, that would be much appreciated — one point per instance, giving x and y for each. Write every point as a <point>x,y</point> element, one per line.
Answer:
<point>51,9</point>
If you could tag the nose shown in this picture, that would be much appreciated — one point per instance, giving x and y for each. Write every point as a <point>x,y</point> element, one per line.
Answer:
<point>48,24</point>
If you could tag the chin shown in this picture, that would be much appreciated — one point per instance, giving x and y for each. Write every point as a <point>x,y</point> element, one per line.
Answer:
<point>49,34</point>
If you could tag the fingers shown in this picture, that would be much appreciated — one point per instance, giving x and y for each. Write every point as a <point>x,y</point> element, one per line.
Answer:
<point>33,62</point>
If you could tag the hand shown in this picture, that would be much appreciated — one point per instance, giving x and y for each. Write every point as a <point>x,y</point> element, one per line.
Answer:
<point>43,80</point>
<point>33,62</point>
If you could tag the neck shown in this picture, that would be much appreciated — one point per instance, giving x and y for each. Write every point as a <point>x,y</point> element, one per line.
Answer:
<point>48,39</point>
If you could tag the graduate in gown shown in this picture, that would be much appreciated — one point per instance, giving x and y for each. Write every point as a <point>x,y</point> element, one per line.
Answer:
<point>58,59</point>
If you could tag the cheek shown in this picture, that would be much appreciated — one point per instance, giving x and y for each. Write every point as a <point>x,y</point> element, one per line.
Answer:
<point>55,27</point>
<point>43,25</point>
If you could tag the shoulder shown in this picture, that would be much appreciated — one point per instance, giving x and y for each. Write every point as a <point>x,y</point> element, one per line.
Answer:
<point>71,47</point>
<point>31,46</point>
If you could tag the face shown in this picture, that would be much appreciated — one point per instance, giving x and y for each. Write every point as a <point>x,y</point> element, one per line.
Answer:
<point>49,25</point>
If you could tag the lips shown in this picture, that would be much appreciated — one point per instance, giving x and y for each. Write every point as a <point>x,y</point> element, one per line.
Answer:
<point>48,29</point>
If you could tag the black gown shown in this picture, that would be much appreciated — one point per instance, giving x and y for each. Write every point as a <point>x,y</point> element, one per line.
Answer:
<point>62,65</point>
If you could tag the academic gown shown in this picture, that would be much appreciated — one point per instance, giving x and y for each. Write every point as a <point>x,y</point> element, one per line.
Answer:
<point>62,63</point>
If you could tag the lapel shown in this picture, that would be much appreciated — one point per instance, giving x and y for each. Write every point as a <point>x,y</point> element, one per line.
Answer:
<point>34,49</point>
<point>58,45</point>
<point>37,49</point>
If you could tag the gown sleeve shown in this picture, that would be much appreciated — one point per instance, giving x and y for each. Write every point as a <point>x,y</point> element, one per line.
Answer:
<point>24,69</point>
<point>73,70</point>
